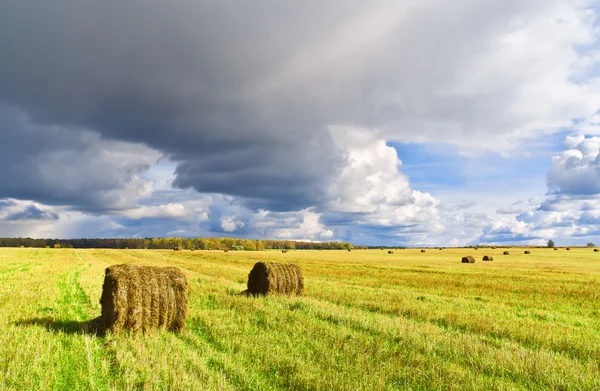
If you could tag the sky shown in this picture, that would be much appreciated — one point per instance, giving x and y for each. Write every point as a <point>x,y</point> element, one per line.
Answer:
<point>415,123</point>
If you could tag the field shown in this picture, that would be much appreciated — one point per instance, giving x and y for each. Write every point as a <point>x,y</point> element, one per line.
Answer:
<point>368,321</point>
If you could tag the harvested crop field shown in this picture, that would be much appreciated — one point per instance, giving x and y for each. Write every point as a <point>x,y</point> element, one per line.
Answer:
<point>367,320</point>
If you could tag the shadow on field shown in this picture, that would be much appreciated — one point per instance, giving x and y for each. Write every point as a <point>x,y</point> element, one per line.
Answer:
<point>66,326</point>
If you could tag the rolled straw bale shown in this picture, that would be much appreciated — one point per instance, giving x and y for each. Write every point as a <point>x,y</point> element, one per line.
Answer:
<point>596,250</point>
<point>555,249</point>
<point>487,258</point>
<point>390,252</point>
<point>422,251</point>
<point>468,259</point>
<point>568,249</point>
<point>275,278</point>
<point>506,253</point>
<point>526,252</point>
<point>138,298</point>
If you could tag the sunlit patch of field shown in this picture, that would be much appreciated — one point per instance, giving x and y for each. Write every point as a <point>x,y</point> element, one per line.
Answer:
<point>369,320</point>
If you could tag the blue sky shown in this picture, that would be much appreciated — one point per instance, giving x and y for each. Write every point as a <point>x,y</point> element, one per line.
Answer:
<point>203,123</point>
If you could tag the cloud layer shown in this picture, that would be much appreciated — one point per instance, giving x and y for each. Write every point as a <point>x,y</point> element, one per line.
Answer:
<point>278,116</point>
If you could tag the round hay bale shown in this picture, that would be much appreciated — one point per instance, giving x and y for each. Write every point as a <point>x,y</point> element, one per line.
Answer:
<point>526,252</point>
<point>596,250</point>
<point>468,259</point>
<point>555,249</point>
<point>422,251</point>
<point>226,251</point>
<point>568,249</point>
<point>506,253</point>
<point>141,298</point>
<point>178,249</point>
<point>284,251</point>
<point>488,258</point>
<point>275,278</point>
<point>390,252</point>
<point>476,248</point>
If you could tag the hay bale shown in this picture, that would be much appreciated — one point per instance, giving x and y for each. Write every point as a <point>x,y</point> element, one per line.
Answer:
<point>476,248</point>
<point>526,252</point>
<point>596,250</point>
<point>390,252</point>
<point>284,251</point>
<point>468,259</point>
<point>568,249</point>
<point>140,298</point>
<point>47,246</point>
<point>178,249</point>
<point>275,278</point>
<point>506,253</point>
<point>487,258</point>
<point>422,251</point>
<point>226,251</point>
<point>555,249</point>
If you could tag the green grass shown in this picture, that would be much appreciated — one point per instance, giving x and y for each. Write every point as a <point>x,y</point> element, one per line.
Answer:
<point>368,321</point>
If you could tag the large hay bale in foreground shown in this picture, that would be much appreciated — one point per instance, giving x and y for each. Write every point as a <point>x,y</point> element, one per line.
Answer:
<point>138,298</point>
<point>526,252</point>
<point>487,258</point>
<point>275,278</point>
<point>506,253</point>
<point>468,259</point>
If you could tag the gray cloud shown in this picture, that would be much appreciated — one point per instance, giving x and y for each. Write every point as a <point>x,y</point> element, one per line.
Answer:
<point>31,212</point>
<point>242,95</point>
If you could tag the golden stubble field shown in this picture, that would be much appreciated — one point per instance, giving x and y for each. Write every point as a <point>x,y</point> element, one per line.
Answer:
<point>368,321</point>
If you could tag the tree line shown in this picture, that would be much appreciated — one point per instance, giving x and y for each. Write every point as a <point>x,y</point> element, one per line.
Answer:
<point>183,243</point>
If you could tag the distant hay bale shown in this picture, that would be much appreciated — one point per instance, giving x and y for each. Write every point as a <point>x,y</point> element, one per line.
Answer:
<point>47,246</point>
<point>21,246</point>
<point>596,250</point>
<point>568,249</point>
<point>140,298</point>
<point>390,252</point>
<point>555,249</point>
<point>493,248</point>
<point>440,248</point>
<point>476,248</point>
<point>192,249</point>
<point>275,278</point>
<point>422,251</point>
<point>226,251</point>
<point>178,248</point>
<point>506,253</point>
<point>526,252</point>
<point>284,251</point>
<point>468,259</point>
<point>349,250</point>
<point>487,258</point>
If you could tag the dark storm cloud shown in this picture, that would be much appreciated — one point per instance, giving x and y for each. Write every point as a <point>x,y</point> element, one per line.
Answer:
<point>61,166</point>
<point>31,212</point>
<point>239,94</point>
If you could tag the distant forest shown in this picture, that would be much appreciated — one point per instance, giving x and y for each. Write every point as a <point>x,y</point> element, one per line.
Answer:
<point>183,243</point>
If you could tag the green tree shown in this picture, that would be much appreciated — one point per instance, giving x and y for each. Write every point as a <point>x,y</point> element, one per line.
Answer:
<point>590,244</point>
<point>550,243</point>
